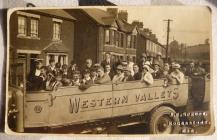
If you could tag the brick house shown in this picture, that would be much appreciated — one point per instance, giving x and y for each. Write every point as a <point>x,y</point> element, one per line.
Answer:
<point>43,35</point>
<point>98,31</point>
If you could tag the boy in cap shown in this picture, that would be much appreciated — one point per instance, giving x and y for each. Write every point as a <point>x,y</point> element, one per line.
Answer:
<point>159,59</point>
<point>119,76</point>
<point>127,75</point>
<point>86,81</point>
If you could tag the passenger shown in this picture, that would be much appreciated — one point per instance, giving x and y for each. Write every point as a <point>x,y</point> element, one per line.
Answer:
<point>130,64</point>
<point>88,64</point>
<point>127,75</point>
<point>166,70</point>
<point>108,61</point>
<point>94,75</point>
<point>137,75</point>
<point>76,78</point>
<point>151,70</point>
<point>190,69</point>
<point>199,71</point>
<point>142,61</point>
<point>119,76</point>
<point>72,68</point>
<point>146,75</point>
<point>34,79</point>
<point>157,71</point>
<point>86,81</point>
<point>177,75</point>
<point>51,66</point>
<point>102,76</point>
<point>150,58</point>
<point>65,77</point>
<point>159,60</point>
<point>108,71</point>
<point>43,78</point>
<point>58,69</point>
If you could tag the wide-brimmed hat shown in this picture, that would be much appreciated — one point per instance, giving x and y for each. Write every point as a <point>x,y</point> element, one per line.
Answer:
<point>157,63</point>
<point>119,67</point>
<point>159,54</point>
<point>176,66</point>
<point>146,67</point>
<point>124,63</point>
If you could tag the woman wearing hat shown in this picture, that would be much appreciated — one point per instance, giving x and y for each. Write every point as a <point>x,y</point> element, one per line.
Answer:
<point>146,75</point>
<point>177,75</point>
<point>119,76</point>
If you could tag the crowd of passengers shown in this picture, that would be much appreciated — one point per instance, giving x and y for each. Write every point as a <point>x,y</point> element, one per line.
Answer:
<point>146,70</point>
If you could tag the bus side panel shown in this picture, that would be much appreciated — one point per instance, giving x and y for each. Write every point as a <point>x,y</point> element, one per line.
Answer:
<point>144,99</point>
<point>72,105</point>
<point>36,110</point>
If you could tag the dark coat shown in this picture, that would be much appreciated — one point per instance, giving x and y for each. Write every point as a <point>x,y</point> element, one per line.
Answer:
<point>137,76</point>
<point>85,85</point>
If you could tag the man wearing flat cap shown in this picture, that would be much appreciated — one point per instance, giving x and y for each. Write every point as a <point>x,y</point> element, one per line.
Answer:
<point>119,74</point>
<point>157,73</point>
<point>177,75</point>
<point>127,75</point>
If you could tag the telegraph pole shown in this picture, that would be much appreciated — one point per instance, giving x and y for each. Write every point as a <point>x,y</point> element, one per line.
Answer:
<point>168,35</point>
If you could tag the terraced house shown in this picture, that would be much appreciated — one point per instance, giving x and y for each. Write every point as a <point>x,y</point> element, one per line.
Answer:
<point>99,31</point>
<point>41,35</point>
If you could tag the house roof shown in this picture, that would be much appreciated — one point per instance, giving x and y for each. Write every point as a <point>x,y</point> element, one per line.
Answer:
<point>104,18</point>
<point>56,12</point>
<point>100,16</point>
<point>124,26</point>
<point>56,47</point>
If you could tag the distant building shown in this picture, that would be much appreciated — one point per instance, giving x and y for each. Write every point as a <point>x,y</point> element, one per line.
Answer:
<point>148,43</point>
<point>98,31</point>
<point>43,35</point>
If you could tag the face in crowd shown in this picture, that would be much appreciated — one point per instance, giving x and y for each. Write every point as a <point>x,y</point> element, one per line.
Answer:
<point>166,67</point>
<point>86,75</point>
<point>192,65</point>
<point>76,76</point>
<point>38,65</point>
<point>52,63</point>
<point>107,56</point>
<point>156,67</point>
<point>93,73</point>
<point>89,63</point>
<point>107,68</point>
<point>127,73</point>
<point>135,68</point>
<point>100,72</point>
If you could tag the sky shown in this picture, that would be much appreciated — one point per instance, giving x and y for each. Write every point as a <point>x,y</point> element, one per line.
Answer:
<point>190,25</point>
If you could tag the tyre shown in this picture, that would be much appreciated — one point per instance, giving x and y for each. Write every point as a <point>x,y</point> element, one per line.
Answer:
<point>159,121</point>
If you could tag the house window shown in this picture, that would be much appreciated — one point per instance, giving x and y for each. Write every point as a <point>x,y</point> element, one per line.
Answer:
<point>56,30</point>
<point>34,28</point>
<point>58,58</point>
<point>112,37</point>
<point>107,39</point>
<point>122,40</point>
<point>22,25</point>
<point>129,41</point>
<point>134,41</point>
<point>116,38</point>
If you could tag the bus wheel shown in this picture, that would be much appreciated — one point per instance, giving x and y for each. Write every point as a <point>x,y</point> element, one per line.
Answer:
<point>159,121</point>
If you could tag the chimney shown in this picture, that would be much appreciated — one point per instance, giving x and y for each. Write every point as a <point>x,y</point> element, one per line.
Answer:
<point>123,15</point>
<point>138,24</point>
<point>113,11</point>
